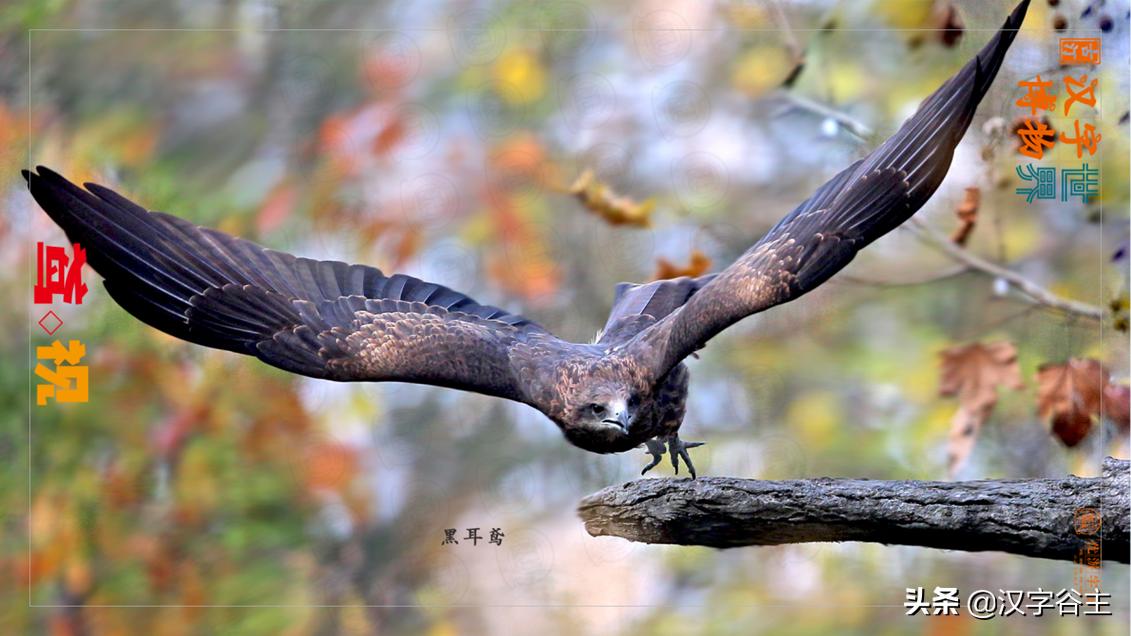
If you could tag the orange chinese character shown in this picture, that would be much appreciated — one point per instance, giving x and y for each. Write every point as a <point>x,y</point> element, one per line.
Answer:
<point>1079,51</point>
<point>1090,100</point>
<point>1089,140</point>
<point>1033,139</point>
<point>1087,521</point>
<point>1036,97</point>
<point>62,376</point>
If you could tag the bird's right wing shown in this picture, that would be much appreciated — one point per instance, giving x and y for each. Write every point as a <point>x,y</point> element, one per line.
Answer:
<point>323,319</point>
<point>865,201</point>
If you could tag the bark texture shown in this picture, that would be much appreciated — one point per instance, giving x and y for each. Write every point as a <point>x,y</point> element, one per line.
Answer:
<point>1031,517</point>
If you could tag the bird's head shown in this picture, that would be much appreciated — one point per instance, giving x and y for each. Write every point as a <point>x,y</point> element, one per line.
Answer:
<point>603,415</point>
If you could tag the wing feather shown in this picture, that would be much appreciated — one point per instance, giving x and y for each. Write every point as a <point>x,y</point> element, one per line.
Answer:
<point>860,204</point>
<point>324,319</point>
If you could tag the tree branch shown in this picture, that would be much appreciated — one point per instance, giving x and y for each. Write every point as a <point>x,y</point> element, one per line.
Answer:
<point>907,280</point>
<point>855,126</point>
<point>1031,517</point>
<point>1034,291</point>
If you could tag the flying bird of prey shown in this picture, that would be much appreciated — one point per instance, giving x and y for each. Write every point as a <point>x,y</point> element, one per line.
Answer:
<point>350,323</point>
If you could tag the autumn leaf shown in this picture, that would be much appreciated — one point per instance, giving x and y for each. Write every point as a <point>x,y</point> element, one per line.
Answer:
<point>389,136</point>
<point>1119,314</point>
<point>323,462</point>
<point>697,266</point>
<point>911,16</point>
<point>949,25</point>
<point>523,70</point>
<point>974,373</point>
<point>120,490</point>
<point>77,576</point>
<point>161,566</point>
<point>1069,394</point>
<point>602,201</point>
<point>764,69</point>
<point>967,216</point>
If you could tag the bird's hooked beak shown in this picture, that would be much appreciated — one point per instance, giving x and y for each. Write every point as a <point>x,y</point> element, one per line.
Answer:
<point>621,417</point>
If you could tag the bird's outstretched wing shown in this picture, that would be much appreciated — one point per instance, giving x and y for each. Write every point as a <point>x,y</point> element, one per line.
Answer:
<point>323,319</point>
<point>867,200</point>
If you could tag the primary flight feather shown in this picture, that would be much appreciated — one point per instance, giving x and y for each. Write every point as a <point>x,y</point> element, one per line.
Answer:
<point>348,323</point>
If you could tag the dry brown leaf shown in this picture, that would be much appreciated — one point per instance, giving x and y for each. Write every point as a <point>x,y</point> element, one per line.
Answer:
<point>1120,319</point>
<point>1069,394</point>
<point>974,373</point>
<point>699,264</point>
<point>950,26</point>
<point>967,216</point>
<point>602,201</point>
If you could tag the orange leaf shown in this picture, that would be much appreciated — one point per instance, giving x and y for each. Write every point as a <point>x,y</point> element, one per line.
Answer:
<point>325,463</point>
<point>600,199</point>
<point>974,373</point>
<point>697,266</point>
<point>389,136</point>
<point>1069,394</point>
<point>967,216</point>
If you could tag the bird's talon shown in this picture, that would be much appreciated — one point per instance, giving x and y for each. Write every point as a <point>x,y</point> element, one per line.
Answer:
<point>655,448</point>
<point>675,448</point>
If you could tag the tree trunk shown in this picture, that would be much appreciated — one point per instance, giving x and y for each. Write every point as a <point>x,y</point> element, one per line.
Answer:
<point>1032,517</point>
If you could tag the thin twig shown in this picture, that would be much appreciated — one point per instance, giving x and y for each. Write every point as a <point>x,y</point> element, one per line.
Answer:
<point>917,279</point>
<point>1024,285</point>
<point>787,31</point>
<point>855,126</point>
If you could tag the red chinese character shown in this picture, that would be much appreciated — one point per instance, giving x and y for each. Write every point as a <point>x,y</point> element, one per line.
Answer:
<point>1088,140</point>
<point>54,277</point>
<point>1036,97</point>
<point>1033,139</point>
<point>1090,100</point>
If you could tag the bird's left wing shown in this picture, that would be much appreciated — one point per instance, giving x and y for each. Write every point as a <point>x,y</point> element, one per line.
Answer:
<point>867,200</point>
<point>323,319</point>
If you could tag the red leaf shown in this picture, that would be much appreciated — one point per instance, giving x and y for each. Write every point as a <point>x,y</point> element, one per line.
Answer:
<point>1069,395</point>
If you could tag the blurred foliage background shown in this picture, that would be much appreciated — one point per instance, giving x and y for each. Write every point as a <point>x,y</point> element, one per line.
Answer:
<point>201,492</point>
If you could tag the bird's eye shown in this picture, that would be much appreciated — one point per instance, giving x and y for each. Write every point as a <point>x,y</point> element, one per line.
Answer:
<point>598,409</point>
<point>634,400</point>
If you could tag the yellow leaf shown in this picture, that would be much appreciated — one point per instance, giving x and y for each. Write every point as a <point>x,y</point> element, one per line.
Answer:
<point>522,70</point>
<point>600,199</point>
<point>762,69</point>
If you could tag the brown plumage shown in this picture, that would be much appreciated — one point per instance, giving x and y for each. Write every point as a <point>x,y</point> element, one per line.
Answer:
<point>330,320</point>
